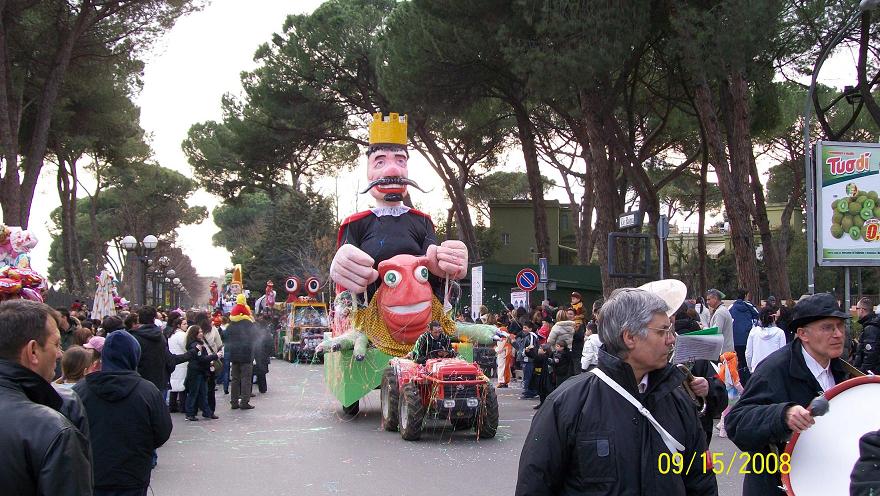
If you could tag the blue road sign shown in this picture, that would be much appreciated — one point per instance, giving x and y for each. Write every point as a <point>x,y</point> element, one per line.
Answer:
<point>542,270</point>
<point>527,280</point>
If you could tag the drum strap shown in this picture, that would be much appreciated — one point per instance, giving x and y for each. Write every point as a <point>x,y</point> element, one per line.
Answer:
<point>671,443</point>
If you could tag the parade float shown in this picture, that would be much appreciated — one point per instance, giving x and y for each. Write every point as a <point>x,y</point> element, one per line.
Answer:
<point>307,321</point>
<point>391,275</point>
<point>17,278</point>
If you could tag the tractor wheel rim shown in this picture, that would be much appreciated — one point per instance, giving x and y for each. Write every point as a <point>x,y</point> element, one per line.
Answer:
<point>404,412</point>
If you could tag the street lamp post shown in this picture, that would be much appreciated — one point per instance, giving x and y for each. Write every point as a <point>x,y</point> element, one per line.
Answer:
<point>864,6</point>
<point>141,251</point>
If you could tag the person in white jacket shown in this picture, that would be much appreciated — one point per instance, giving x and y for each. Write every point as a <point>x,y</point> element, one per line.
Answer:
<point>764,339</point>
<point>592,343</point>
<point>177,346</point>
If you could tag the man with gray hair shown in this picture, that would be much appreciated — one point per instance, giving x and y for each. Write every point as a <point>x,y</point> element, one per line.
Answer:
<point>606,431</point>
<point>720,318</point>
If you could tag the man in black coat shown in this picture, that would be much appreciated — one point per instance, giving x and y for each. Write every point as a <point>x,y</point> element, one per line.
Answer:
<point>156,362</point>
<point>239,340</point>
<point>774,403</point>
<point>42,452</point>
<point>588,438</point>
<point>868,355</point>
<point>128,418</point>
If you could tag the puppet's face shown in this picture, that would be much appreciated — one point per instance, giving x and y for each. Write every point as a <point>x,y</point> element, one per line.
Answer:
<point>388,165</point>
<point>405,297</point>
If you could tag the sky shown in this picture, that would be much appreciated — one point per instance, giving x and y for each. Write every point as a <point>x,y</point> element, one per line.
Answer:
<point>198,61</point>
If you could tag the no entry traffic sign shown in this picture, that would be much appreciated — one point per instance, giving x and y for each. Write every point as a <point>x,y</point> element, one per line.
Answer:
<point>527,279</point>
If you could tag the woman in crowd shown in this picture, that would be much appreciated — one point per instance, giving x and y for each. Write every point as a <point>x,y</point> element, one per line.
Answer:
<point>81,335</point>
<point>197,375</point>
<point>764,339</point>
<point>214,343</point>
<point>177,346</point>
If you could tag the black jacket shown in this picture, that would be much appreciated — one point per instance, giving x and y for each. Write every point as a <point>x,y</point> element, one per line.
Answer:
<point>43,453</point>
<point>563,365</point>
<point>128,419</point>
<point>202,358</point>
<point>577,349</point>
<point>157,363</point>
<point>263,348</point>
<point>238,344</point>
<point>865,477</point>
<point>757,421</point>
<point>587,439</point>
<point>542,376</point>
<point>868,354</point>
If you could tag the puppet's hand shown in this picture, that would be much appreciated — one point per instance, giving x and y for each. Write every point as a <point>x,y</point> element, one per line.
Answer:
<point>353,269</point>
<point>450,258</point>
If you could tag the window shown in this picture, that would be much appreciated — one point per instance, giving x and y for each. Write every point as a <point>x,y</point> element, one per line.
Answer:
<point>505,239</point>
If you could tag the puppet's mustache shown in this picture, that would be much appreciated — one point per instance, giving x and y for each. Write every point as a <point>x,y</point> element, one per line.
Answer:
<point>384,181</point>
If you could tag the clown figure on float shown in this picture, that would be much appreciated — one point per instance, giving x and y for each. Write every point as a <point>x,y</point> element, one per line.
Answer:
<point>391,254</point>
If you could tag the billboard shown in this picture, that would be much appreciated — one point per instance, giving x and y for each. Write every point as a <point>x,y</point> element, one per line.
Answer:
<point>847,207</point>
<point>476,291</point>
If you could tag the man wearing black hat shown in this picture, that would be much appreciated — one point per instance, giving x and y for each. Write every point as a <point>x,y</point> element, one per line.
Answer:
<point>774,404</point>
<point>434,343</point>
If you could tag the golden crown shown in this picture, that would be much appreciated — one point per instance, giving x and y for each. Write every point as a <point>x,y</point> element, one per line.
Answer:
<point>390,129</point>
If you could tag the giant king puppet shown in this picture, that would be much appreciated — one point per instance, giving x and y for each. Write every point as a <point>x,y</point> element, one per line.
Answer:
<point>390,274</point>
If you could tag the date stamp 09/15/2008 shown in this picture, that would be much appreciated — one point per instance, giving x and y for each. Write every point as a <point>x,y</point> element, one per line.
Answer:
<point>724,463</point>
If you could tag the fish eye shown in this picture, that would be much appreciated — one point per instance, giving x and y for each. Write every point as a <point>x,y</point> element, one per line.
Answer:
<point>392,278</point>
<point>421,273</point>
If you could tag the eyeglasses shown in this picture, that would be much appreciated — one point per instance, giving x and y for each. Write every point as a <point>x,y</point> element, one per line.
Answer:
<point>828,328</point>
<point>664,331</point>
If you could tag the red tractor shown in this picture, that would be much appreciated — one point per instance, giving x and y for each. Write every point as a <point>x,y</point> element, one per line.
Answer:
<point>448,388</point>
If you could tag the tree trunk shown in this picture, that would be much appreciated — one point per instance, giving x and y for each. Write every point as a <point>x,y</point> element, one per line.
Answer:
<point>604,174</point>
<point>864,87</point>
<point>39,138</point>
<point>586,239</point>
<point>777,272</point>
<point>737,209</point>
<point>533,174</point>
<point>99,249</point>
<point>69,238</point>
<point>450,215</point>
<point>10,116</point>
<point>701,223</point>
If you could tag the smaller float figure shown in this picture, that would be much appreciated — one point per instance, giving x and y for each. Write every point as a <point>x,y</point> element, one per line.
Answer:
<point>215,295</point>
<point>17,278</point>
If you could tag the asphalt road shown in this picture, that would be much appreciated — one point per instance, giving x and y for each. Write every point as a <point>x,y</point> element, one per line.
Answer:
<point>296,442</point>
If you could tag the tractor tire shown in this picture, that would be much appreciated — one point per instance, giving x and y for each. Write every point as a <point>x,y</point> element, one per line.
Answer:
<point>463,424</point>
<point>487,416</point>
<point>353,409</point>
<point>390,400</point>
<point>412,413</point>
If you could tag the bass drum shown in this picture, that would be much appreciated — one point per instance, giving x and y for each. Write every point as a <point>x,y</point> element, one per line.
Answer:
<point>823,456</point>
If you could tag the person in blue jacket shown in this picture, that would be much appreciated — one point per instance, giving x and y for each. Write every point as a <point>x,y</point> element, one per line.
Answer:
<point>744,316</point>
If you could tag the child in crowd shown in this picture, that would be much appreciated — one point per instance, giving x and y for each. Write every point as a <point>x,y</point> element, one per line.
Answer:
<point>75,363</point>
